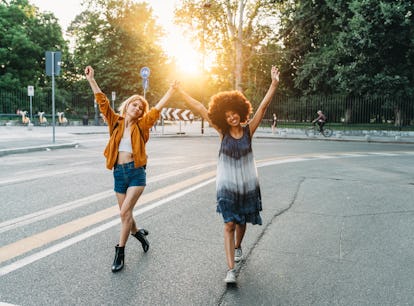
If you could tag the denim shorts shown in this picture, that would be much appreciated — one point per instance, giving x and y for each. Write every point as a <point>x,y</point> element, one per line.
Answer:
<point>126,175</point>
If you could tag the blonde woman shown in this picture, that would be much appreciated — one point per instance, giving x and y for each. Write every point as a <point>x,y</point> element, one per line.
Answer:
<point>126,156</point>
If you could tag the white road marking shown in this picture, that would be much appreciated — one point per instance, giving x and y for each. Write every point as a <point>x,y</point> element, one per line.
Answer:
<point>66,243</point>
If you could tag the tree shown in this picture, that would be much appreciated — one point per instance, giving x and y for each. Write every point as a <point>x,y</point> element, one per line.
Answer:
<point>118,38</point>
<point>233,30</point>
<point>24,37</point>
<point>354,48</point>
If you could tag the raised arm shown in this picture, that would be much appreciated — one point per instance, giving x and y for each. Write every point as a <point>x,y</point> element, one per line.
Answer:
<point>194,104</point>
<point>100,98</point>
<point>261,110</point>
<point>166,96</point>
<point>90,76</point>
<point>197,107</point>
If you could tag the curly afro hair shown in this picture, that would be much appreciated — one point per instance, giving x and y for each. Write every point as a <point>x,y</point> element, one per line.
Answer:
<point>228,101</point>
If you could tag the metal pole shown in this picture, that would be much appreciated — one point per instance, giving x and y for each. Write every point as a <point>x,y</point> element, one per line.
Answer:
<point>53,95</point>
<point>31,110</point>
<point>204,64</point>
<point>95,106</point>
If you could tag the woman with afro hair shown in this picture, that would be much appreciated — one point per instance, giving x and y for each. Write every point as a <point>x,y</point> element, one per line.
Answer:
<point>238,191</point>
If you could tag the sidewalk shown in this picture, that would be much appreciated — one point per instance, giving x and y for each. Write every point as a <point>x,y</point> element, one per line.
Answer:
<point>22,139</point>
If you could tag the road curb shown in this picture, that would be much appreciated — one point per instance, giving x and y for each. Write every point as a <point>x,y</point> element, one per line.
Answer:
<point>5,152</point>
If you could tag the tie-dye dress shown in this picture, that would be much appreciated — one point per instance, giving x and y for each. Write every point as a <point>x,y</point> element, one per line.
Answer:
<point>237,183</point>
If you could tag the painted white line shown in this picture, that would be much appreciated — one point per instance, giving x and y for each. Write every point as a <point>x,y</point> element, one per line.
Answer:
<point>280,161</point>
<point>64,244</point>
<point>384,154</point>
<point>35,176</point>
<point>49,212</point>
<point>55,210</point>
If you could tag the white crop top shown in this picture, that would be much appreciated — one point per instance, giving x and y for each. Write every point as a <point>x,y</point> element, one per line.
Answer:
<point>125,144</point>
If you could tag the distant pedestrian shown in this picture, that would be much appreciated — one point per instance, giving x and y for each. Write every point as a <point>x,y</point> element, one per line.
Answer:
<point>274,123</point>
<point>238,191</point>
<point>126,156</point>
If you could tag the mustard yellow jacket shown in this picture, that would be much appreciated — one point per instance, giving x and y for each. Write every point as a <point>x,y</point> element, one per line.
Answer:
<point>116,124</point>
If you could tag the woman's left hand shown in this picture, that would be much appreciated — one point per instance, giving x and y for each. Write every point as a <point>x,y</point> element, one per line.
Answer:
<point>275,74</point>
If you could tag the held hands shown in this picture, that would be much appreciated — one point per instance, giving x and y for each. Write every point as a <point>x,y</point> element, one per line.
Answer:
<point>175,86</point>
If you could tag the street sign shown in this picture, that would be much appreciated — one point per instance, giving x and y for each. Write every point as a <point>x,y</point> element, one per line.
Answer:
<point>53,62</point>
<point>176,114</point>
<point>145,72</point>
<point>30,91</point>
<point>113,95</point>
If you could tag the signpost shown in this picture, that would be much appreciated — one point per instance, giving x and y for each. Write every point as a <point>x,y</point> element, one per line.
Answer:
<point>30,93</point>
<point>53,62</point>
<point>145,73</point>
<point>113,99</point>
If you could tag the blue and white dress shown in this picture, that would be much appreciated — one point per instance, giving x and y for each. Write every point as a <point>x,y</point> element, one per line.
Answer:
<point>237,183</point>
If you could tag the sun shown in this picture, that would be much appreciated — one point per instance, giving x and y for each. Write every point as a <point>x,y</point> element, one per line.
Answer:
<point>188,60</point>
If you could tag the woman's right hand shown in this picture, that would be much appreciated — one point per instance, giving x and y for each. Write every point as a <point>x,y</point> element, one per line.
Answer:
<point>90,76</point>
<point>89,73</point>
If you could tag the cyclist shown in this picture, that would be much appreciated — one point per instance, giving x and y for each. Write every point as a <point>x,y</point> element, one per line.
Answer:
<point>321,120</point>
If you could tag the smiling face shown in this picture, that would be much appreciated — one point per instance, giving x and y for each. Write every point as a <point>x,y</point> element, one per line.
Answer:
<point>135,109</point>
<point>232,118</point>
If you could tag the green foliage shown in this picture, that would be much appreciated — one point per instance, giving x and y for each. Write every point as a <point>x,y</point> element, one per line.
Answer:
<point>349,47</point>
<point>25,36</point>
<point>215,24</point>
<point>118,38</point>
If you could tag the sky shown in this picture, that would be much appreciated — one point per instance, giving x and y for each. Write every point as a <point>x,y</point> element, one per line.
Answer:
<point>175,44</point>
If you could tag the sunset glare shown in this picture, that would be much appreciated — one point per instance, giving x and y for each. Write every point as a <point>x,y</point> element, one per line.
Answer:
<point>177,47</point>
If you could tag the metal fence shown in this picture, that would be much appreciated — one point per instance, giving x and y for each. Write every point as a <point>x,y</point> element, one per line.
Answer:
<point>345,112</point>
<point>342,112</point>
<point>74,107</point>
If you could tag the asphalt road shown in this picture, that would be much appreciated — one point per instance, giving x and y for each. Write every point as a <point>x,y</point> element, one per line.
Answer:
<point>338,227</point>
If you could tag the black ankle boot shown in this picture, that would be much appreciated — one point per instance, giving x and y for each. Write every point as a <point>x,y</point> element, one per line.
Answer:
<point>119,259</point>
<point>140,235</point>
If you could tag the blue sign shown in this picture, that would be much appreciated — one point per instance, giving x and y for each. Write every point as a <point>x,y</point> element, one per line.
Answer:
<point>53,61</point>
<point>145,72</point>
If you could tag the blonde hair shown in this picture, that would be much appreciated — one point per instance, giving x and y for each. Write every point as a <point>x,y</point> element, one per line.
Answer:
<point>124,105</point>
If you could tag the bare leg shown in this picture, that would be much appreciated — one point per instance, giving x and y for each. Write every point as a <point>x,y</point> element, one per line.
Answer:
<point>229,230</point>
<point>240,230</point>
<point>126,204</point>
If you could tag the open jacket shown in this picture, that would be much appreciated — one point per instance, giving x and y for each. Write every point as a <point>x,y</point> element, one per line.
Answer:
<point>116,124</point>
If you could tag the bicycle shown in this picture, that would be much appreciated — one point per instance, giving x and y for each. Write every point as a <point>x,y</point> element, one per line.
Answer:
<point>314,130</point>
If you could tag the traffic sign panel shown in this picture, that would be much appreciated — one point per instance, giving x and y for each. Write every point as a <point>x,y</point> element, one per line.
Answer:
<point>145,72</point>
<point>30,91</point>
<point>176,114</point>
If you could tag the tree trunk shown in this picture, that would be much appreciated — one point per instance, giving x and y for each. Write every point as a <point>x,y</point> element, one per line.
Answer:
<point>348,116</point>
<point>398,117</point>
<point>236,32</point>
<point>239,49</point>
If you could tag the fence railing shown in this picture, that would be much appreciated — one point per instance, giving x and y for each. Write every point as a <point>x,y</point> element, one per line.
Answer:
<point>342,112</point>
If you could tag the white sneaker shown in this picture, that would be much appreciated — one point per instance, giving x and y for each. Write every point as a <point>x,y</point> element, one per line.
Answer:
<point>238,254</point>
<point>231,276</point>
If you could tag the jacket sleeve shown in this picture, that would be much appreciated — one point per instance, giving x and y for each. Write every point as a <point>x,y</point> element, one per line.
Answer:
<point>149,119</point>
<point>147,122</point>
<point>104,107</point>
